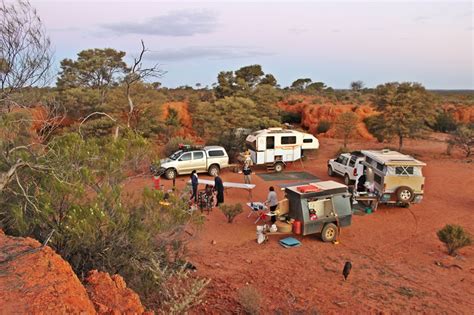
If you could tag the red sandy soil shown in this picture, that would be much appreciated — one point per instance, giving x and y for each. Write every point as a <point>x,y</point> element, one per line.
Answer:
<point>39,281</point>
<point>184,117</point>
<point>393,251</point>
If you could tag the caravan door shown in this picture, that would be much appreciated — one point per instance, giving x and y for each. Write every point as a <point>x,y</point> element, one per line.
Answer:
<point>270,150</point>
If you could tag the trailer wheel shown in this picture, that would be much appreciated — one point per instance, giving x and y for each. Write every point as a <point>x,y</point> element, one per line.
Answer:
<point>170,173</point>
<point>330,171</point>
<point>329,232</point>
<point>214,170</point>
<point>279,167</point>
<point>405,194</point>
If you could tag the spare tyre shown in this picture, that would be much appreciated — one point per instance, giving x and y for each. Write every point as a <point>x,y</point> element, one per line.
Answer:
<point>405,194</point>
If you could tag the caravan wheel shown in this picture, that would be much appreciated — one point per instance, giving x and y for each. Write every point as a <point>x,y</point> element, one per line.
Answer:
<point>279,167</point>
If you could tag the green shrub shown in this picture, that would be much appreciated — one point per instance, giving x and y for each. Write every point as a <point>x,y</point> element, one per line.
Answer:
<point>231,211</point>
<point>316,101</point>
<point>445,122</point>
<point>78,195</point>
<point>173,145</point>
<point>250,299</point>
<point>454,237</point>
<point>375,126</point>
<point>292,102</point>
<point>323,126</point>
<point>233,140</point>
<point>290,117</point>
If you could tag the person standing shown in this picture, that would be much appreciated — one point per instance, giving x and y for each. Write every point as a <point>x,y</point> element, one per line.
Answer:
<point>247,171</point>
<point>219,187</point>
<point>272,202</point>
<point>194,184</point>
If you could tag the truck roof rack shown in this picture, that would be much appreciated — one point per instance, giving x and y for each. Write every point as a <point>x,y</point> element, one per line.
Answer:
<point>188,147</point>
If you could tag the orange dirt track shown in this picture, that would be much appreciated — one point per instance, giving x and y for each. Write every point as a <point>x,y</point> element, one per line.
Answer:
<point>393,251</point>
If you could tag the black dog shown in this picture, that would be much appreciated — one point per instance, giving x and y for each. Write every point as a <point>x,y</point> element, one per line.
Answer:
<point>347,270</point>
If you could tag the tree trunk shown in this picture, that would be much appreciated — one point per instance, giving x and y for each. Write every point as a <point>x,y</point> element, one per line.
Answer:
<point>7,176</point>
<point>130,105</point>
<point>400,142</point>
<point>116,133</point>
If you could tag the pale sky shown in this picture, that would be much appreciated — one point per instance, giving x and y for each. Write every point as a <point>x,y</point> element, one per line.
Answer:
<point>331,41</point>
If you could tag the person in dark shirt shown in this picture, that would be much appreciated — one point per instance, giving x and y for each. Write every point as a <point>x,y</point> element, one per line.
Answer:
<point>194,184</point>
<point>219,187</point>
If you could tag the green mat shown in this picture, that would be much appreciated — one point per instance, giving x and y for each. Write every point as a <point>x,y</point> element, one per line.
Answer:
<point>287,176</point>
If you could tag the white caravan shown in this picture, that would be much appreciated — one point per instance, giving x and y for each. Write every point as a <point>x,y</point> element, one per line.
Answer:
<point>276,146</point>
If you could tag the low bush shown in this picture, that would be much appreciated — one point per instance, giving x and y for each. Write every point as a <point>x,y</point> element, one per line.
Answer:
<point>290,117</point>
<point>231,211</point>
<point>78,196</point>
<point>173,145</point>
<point>445,122</point>
<point>375,126</point>
<point>454,237</point>
<point>250,299</point>
<point>323,126</point>
<point>316,101</point>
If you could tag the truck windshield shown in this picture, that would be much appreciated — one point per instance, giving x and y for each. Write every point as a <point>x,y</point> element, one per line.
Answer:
<point>176,155</point>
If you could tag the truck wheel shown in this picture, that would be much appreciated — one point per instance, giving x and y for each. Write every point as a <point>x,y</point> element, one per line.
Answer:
<point>170,173</point>
<point>279,167</point>
<point>330,171</point>
<point>405,194</point>
<point>329,232</point>
<point>347,180</point>
<point>213,170</point>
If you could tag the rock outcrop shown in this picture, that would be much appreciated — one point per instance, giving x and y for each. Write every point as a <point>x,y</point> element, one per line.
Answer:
<point>36,280</point>
<point>110,294</point>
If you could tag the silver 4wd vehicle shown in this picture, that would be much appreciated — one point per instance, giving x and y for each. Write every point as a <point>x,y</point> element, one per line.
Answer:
<point>209,159</point>
<point>348,165</point>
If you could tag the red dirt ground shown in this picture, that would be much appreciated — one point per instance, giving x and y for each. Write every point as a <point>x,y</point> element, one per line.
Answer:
<point>393,251</point>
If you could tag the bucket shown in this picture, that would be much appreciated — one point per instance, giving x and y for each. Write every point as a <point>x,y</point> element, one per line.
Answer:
<point>297,227</point>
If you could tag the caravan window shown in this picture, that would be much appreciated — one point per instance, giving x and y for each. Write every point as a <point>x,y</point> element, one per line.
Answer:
<point>404,170</point>
<point>380,167</point>
<point>307,140</point>
<point>270,142</point>
<point>288,140</point>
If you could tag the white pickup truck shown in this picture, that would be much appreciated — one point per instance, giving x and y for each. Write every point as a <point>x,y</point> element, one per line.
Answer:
<point>348,165</point>
<point>209,159</point>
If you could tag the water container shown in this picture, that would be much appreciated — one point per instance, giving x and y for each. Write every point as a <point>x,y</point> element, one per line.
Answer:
<point>297,227</point>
